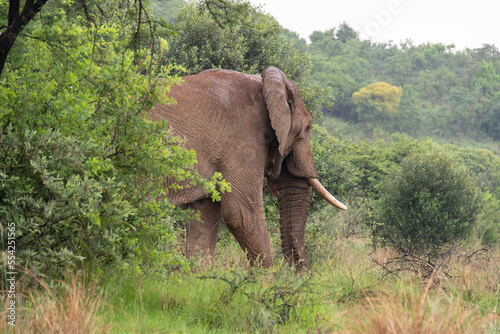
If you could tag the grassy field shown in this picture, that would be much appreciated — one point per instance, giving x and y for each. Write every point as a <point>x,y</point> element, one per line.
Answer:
<point>353,289</point>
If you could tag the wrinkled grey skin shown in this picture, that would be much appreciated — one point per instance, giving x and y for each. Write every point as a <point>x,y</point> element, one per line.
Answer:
<point>246,127</point>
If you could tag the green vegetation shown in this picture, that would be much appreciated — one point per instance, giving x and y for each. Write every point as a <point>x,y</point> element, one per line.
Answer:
<point>78,159</point>
<point>376,100</point>
<point>348,292</point>
<point>447,93</point>
<point>409,140</point>
<point>426,203</point>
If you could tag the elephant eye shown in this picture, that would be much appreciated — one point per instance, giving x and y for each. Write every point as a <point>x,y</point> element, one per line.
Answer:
<point>308,128</point>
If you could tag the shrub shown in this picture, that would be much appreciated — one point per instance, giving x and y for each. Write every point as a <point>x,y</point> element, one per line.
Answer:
<point>427,202</point>
<point>81,169</point>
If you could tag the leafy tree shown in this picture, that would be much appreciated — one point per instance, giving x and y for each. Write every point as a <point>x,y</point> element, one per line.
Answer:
<point>339,64</point>
<point>298,43</point>
<point>481,163</point>
<point>462,105</point>
<point>345,33</point>
<point>410,118</point>
<point>377,100</point>
<point>488,53</point>
<point>82,169</point>
<point>491,122</point>
<point>226,12</point>
<point>323,40</point>
<point>17,19</point>
<point>202,44</point>
<point>487,80</point>
<point>488,229</point>
<point>487,87</point>
<point>425,204</point>
<point>342,87</point>
<point>376,160</point>
<point>437,73</point>
<point>397,66</point>
<point>484,166</point>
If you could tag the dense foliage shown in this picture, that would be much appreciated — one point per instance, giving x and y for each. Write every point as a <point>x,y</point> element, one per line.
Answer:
<point>376,101</point>
<point>425,91</point>
<point>333,164</point>
<point>377,161</point>
<point>445,92</point>
<point>81,168</point>
<point>166,9</point>
<point>426,203</point>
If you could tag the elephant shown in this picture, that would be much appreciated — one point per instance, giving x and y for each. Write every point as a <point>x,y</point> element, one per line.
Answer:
<point>246,127</point>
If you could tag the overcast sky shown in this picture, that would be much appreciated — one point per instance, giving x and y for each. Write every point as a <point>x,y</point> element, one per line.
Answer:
<point>464,23</point>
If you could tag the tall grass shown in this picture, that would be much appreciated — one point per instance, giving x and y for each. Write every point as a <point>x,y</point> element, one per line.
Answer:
<point>65,307</point>
<point>416,310</point>
<point>348,292</point>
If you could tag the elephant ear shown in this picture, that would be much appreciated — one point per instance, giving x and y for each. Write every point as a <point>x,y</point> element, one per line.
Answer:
<point>280,95</point>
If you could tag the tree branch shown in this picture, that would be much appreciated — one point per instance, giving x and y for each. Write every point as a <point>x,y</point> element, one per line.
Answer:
<point>13,12</point>
<point>16,24</point>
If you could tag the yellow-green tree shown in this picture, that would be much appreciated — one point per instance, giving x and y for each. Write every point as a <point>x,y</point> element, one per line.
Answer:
<point>377,100</point>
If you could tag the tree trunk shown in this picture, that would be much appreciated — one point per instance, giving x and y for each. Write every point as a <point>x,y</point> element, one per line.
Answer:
<point>16,24</point>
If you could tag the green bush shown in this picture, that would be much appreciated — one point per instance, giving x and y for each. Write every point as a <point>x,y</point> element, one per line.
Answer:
<point>82,170</point>
<point>429,201</point>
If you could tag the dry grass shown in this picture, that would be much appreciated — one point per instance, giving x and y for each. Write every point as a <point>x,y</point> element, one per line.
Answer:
<point>414,309</point>
<point>348,293</point>
<point>72,307</point>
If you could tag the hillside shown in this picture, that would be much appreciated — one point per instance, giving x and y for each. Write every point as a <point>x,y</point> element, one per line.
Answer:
<point>448,94</point>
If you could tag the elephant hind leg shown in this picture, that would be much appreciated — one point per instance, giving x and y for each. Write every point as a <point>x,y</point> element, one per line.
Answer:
<point>202,236</point>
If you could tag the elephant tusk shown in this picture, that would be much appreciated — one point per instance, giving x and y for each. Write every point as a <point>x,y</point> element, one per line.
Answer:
<point>318,187</point>
<point>272,187</point>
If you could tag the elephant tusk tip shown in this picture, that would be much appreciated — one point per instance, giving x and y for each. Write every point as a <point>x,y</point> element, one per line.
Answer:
<point>318,187</point>
<point>336,203</point>
<point>272,187</point>
<point>339,205</point>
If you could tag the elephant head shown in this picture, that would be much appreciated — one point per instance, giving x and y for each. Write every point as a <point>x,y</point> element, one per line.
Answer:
<point>246,127</point>
<point>290,172</point>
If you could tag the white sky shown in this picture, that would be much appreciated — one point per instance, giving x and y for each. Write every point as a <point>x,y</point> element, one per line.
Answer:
<point>464,23</point>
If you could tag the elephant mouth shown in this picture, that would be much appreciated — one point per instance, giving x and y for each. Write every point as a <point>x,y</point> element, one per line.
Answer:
<point>318,187</point>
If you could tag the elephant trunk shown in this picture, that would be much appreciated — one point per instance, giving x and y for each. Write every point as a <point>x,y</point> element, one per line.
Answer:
<point>318,187</point>
<point>294,197</point>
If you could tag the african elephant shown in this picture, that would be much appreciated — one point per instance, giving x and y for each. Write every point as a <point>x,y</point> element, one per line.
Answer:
<point>246,127</point>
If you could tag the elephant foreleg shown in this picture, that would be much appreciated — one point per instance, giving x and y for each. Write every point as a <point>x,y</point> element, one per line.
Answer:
<point>202,236</point>
<point>245,219</point>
